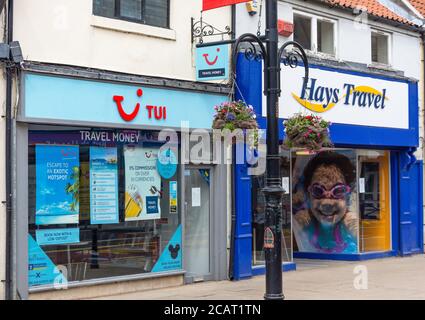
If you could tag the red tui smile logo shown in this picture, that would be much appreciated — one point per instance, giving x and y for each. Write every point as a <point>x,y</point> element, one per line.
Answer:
<point>205,55</point>
<point>127,116</point>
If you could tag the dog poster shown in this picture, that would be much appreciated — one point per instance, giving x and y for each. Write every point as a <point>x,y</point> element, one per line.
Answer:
<point>324,202</point>
<point>142,184</point>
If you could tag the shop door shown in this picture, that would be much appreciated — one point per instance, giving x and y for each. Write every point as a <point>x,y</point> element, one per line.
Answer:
<point>197,222</point>
<point>374,196</point>
<point>411,222</point>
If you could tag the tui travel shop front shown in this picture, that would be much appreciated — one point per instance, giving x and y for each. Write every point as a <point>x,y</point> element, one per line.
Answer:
<point>360,200</point>
<point>104,203</point>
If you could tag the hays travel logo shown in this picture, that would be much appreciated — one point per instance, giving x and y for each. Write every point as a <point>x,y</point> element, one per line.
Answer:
<point>319,98</point>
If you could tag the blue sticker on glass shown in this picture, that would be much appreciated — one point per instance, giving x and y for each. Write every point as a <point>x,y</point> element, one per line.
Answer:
<point>171,257</point>
<point>167,164</point>
<point>152,205</point>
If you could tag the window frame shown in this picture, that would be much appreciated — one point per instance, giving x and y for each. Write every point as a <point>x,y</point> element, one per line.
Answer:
<point>314,33</point>
<point>118,16</point>
<point>388,35</point>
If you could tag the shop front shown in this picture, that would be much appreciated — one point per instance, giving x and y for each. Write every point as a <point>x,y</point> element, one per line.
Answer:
<point>103,196</point>
<point>359,200</point>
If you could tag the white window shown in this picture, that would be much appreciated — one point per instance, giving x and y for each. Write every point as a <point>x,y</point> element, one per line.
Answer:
<point>316,34</point>
<point>381,46</point>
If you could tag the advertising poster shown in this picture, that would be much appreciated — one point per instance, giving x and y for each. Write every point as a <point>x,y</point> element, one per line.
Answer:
<point>103,185</point>
<point>57,184</point>
<point>171,257</point>
<point>41,270</point>
<point>323,198</point>
<point>142,184</point>
<point>173,196</point>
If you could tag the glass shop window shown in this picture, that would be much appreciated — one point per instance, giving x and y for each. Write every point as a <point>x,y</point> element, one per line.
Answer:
<point>150,12</point>
<point>325,37</point>
<point>380,47</point>
<point>374,196</point>
<point>324,201</point>
<point>302,31</point>
<point>315,34</point>
<point>258,214</point>
<point>102,203</point>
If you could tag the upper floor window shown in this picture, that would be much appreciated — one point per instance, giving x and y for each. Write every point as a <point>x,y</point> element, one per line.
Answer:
<point>380,42</point>
<point>151,12</point>
<point>315,33</point>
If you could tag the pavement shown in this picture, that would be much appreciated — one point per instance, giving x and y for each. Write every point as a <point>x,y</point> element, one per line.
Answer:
<point>389,278</point>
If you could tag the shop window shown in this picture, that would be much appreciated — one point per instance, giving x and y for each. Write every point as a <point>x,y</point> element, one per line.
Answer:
<point>380,47</point>
<point>150,12</point>
<point>302,31</point>
<point>325,36</point>
<point>324,202</point>
<point>102,203</point>
<point>374,201</point>
<point>258,214</point>
<point>315,34</point>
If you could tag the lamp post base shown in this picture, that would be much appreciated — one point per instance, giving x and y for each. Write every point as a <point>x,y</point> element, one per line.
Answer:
<point>274,297</point>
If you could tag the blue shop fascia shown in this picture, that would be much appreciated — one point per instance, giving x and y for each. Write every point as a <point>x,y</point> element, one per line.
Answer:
<point>361,199</point>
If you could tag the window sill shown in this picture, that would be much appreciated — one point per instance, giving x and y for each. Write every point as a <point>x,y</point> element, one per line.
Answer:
<point>321,55</point>
<point>133,28</point>
<point>381,66</point>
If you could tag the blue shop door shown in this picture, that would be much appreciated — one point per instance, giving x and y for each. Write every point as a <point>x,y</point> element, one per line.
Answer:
<point>411,213</point>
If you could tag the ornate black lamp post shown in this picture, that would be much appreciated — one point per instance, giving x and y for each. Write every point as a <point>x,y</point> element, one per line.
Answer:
<point>273,191</point>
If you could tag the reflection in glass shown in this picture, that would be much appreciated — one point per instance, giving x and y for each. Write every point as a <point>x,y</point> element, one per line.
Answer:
<point>258,214</point>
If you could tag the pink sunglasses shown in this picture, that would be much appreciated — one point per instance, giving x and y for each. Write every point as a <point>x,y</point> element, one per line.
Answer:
<point>338,191</point>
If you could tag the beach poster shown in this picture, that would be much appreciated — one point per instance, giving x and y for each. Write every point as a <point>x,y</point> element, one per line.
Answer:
<point>57,184</point>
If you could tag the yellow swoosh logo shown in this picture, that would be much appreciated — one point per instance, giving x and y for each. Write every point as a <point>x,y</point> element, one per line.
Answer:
<point>316,107</point>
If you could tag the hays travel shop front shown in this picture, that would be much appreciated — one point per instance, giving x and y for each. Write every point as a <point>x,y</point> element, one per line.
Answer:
<point>360,200</point>
<point>101,196</point>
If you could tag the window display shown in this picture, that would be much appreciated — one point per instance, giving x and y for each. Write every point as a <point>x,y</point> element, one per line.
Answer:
<point>99,206</point>
<point>324,202</point>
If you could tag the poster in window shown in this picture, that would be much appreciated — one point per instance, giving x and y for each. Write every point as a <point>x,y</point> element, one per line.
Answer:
<point>41,269</point>
<point>142,184</point>
<point>325,218</point>
<point>57,184</point>
<point>173,196</point>
<point>103,185</point>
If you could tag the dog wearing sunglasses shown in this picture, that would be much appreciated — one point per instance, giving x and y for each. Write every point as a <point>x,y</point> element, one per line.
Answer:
<point>323,222</point>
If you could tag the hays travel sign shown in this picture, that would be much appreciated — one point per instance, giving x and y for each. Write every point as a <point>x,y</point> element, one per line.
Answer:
<point>345,98</point>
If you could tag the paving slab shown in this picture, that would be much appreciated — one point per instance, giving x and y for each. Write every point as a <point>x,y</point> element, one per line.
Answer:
<point>389,278</point>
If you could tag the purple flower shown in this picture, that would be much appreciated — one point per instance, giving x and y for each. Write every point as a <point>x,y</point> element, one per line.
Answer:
<point>230,116</point>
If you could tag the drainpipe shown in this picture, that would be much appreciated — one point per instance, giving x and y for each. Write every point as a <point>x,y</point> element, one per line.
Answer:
<point>232,172</point>
<point>9,87</point>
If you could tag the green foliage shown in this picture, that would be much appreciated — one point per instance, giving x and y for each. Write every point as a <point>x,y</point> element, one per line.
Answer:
<point>310,132</point>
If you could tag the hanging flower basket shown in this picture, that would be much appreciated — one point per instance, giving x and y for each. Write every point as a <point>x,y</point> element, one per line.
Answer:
<point>308,132</point>
<point>234,115</point>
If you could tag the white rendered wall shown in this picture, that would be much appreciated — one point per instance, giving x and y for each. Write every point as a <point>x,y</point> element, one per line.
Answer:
<point>66,32</point>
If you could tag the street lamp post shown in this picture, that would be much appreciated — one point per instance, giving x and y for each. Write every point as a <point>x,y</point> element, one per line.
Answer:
<point>273,191</point>
<point>273,58</point>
